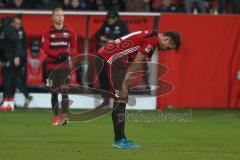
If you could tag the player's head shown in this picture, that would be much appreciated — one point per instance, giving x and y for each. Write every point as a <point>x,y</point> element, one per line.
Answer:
<point>16,22</point>
<point>112,17</point>
<point>169,40</point>
<point>58,16</point>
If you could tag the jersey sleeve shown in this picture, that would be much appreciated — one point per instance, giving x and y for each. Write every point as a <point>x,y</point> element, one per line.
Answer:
<point>147,46</point>
<point>100,32</point>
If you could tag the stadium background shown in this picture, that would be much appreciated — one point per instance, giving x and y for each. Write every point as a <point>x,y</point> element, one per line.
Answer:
<point>205,73</point>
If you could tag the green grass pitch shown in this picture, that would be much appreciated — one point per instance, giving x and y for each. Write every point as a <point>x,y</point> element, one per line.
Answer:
<point>210,135</point>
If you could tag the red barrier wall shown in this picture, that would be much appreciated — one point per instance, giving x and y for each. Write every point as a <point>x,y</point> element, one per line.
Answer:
<point>204,71</point>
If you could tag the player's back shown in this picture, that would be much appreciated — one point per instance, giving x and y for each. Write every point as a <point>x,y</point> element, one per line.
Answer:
<point>126,45</point>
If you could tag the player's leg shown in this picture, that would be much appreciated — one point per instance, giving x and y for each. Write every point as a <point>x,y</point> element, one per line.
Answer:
<point>55,108</point>
<point>54,103</point>
<point>8,103</point>
<point>58,78</point>
<point>118,119</point>
<point>65,109</point>
<point>102,72</point>
<point>118,123</point>
<point>20,84</point>
<point>119,108</point>
<point>64,78</point>
<point>6,82</point>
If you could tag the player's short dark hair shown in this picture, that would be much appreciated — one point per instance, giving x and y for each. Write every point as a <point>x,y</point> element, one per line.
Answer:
<point>112,14</point>
<point>175,38</point>
<point>56,9</point>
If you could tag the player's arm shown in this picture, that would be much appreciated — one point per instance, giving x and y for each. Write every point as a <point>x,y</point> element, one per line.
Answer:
<point>13,36</point>
<point>101,35</point>
<point>134,66</point>
<point>100,32</point>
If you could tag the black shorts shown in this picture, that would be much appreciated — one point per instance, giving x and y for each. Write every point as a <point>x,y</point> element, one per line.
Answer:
<point>58,77</point>
<point>110,77</point>
<point>102,71</point>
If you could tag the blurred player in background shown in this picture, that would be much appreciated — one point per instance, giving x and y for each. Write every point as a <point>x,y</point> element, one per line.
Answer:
<point>59,43</point>
<point>111,29</point>
<point>13,46</point>
<point>20,70</point>
<point>118,60</point>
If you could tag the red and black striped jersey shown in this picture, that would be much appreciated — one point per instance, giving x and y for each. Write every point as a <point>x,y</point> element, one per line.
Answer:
<point>56,41</point>
<point>128,46</point>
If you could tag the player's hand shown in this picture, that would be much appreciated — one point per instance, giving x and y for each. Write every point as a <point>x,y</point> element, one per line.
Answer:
<point>17,61</point>
<point>1,64</point>
<point>63,56</point>
<point>104,38</point>
<point>124,92</point>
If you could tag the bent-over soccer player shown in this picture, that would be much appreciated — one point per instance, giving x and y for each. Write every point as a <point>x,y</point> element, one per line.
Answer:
<point>117,61</point>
